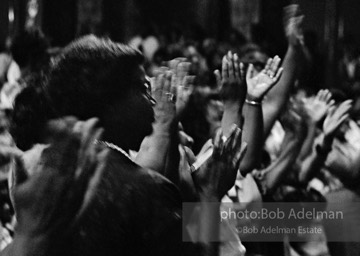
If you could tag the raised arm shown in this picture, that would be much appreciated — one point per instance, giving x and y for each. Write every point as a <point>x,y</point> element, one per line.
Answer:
<point>212,180</point>
<point>279,95</point>
<point>257,87</point>
<point>154,148</point>
<point>315,111</point>
<point>232,87</point>
<point>295,132</point>
<point>312,164</point>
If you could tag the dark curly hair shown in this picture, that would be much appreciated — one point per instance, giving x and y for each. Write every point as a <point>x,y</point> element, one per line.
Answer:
<point>83,81</point>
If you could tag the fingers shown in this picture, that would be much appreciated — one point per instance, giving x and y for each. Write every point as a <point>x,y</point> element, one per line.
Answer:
<point>342,119</point>
<point>327,96</point>
<point>230,64</point>
<point>218,79</point>
<point>239,155</point>
<point>331,103</point>
<point>169,91</point>
<point>343,108</point>
<point>232,147</point>
<point>224,71</point>
<point>242,69</point>
<point>230,143</point>
<point>278,75</point>
<point>167,83</point>
<point>237,70</point>
<point>183,70</point>
<point>324,95</point>
<point>274,66</point>
<point>189,155</point>
<point>185,139</point>
<point>158,86</point>
<point>267,66</point>
<point>189,82</point>
<point>218,144</point>
<point>250,72</point>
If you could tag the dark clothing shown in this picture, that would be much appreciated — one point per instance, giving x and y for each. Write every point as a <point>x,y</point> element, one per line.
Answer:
<point>135,212</point>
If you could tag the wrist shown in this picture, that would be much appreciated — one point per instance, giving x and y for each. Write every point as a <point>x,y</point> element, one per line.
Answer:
<point>231,105</point>
<point>250,97</point>
<point>165,128</point>
<point>324,145</point>
<point>254,103</point>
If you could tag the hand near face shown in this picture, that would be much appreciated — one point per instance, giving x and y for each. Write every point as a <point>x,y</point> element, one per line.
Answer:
<point>258,85</point>
<point>164,92</point>
<point>52,200</point>
<point>231,81</point>
<point>183,83</point>
<point>335,117</point>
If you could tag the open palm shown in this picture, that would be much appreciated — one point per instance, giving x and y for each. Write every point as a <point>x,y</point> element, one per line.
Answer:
<point>317,107</point>
<point>259,84</point>
<point>336,117</point>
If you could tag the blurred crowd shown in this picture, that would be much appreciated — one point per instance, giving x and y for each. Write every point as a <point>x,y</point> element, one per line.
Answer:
<point>101,143</point>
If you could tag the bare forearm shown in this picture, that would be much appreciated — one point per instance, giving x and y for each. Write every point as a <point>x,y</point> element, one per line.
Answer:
<point>278,96</point>
<point>232,115</point>
<point>278,170</point>
<point>153,151</point>
<point>209,226</point>
<point>308,142</point>
<point>253,136</point>
<point>313,163</point>
<point>172,158</point>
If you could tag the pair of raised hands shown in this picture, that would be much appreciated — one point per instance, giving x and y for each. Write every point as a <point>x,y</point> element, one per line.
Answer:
<point>322,108</point>
<point>171,89</point>
<point>217,175</point>
<point>234,85</point>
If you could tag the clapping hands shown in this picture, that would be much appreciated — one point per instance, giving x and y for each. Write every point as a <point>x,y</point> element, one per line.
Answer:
<point>216,176</point>
<point>172,88</point>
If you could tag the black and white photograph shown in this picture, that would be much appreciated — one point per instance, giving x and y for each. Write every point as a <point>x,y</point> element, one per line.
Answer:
<point>179,127</point>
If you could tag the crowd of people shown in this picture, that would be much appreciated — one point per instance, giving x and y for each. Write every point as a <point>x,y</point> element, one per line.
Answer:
<point>102,143</point>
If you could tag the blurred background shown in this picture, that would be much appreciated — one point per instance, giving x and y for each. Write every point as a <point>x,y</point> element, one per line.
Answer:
<point>330,25</point>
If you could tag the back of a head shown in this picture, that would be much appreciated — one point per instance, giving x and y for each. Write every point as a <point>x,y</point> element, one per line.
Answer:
<point>82,81</point>
<point>88,75</point>
<point>29,49</point>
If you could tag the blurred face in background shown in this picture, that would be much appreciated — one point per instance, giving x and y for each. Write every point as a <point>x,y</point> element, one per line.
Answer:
<point>198,63</point>
<point>257,58</point>
<point>344,159</point>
